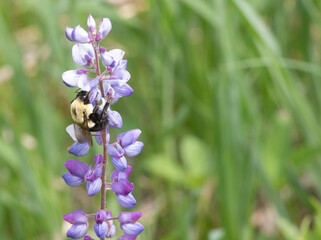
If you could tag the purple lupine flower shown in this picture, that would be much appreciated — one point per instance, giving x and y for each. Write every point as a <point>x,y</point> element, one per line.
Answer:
<point>104,227</point>
<point>122,187</point>
<point>79,221</point>
<point>93,177</point>
<point>117,156</point>
<point>128,223</point>
<point>78,149</point>
<point>128,141</point>
<point>77,171</point>
<point>126,144</point>
<point>83,54</point>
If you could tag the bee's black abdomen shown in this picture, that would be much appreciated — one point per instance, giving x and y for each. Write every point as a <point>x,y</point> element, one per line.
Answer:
<point>100,122</point>
<point>100,118</point>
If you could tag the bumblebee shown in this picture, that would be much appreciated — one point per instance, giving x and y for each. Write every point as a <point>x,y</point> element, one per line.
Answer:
<point>87,118</point>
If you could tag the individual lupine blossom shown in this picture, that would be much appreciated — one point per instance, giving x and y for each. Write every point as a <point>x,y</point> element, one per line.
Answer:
<point>128,224</point>
<point>116,86</point>
<point>80,172</point>
<point>126,144</point>
<point>111,83</point>
<point>104,227</point>
<point>79,221</point>
<point>122,187</point>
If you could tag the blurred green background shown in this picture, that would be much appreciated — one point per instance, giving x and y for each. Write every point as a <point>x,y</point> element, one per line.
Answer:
<point>227,94</point>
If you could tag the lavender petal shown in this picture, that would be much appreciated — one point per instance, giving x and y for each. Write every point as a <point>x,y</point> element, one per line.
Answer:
<point>79,149</point>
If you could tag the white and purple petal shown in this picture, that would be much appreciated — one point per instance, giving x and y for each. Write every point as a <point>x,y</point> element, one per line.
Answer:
<point>79,35</point>
<point>114,119</point>
<point>119,163</point>
<point>117,54</point>
<point>79,149</point>
<point>84,83</point>
<point>94,82</point>
<point>77,231</point>
<point>68,33</point>
<point>91,24</point>
<point>134,149</point>
<point>106,58</point>
<point>122,75</point>
<point>83,54</point>
<point>129,137</point>
<point>116,82</point>
<point>124,90</point>
<point>71,180</point>
<point>93,187</point>
<point>115,151</point>
<point>132,228</point>
<point>103,29</point>
<point>70,78</point>
<point>126,201</point>
<point>101,229</point>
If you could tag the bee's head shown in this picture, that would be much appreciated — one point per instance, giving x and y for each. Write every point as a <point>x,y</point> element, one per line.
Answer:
<point>83,96</point>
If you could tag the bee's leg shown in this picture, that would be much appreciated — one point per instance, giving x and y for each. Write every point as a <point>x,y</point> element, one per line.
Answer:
<point>104,112</point>
<point>85,120</point>
<point>96,109</point>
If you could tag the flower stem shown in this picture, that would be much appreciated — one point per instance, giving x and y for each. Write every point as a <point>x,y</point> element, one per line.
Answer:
<point>103,205</point>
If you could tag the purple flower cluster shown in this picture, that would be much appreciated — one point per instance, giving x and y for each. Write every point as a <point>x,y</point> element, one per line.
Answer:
<point>104,89</point>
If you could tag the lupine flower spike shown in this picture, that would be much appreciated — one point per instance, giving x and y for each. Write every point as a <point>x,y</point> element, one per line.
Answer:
<point>92,113</point>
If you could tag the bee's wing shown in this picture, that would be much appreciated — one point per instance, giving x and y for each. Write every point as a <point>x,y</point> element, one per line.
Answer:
<point>83,135</point>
